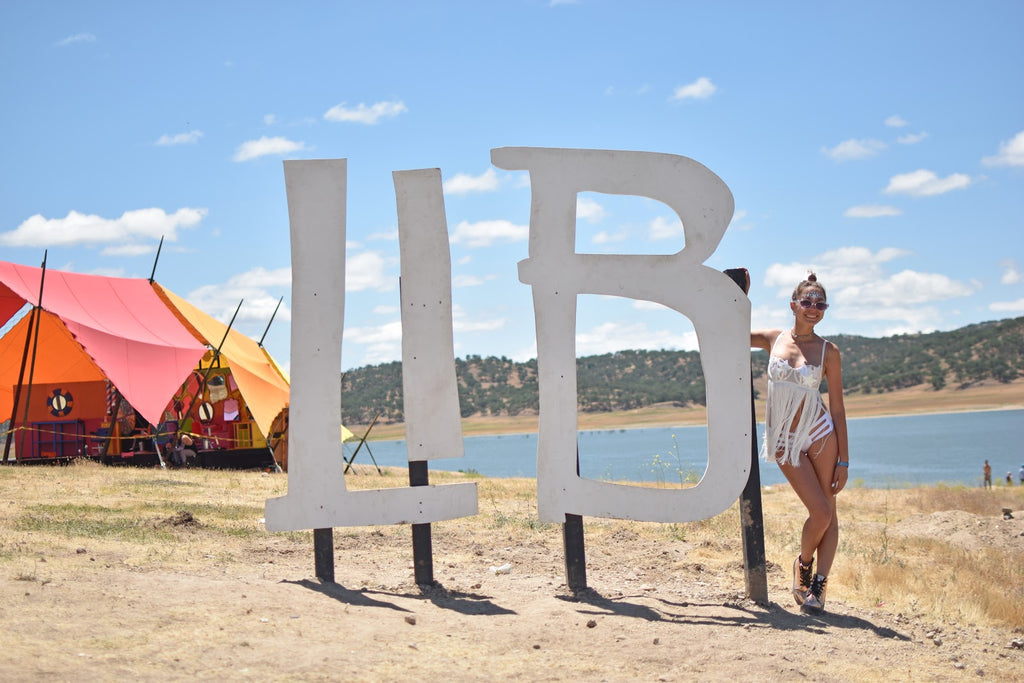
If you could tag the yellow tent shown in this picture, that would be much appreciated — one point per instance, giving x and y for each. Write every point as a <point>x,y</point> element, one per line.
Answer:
<point>261,381</point>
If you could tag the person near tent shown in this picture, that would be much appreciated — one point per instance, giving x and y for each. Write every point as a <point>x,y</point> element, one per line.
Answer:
<point>184,448</point>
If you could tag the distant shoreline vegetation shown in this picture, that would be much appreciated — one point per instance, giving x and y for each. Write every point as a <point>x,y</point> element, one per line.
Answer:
<point>634,380</point>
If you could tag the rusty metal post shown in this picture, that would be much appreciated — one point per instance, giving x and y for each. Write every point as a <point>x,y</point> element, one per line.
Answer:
<point>575,555</point>
<point>751,514</point>
<point>574,546</point>
<point>422,545</point>
<point>323,554</point>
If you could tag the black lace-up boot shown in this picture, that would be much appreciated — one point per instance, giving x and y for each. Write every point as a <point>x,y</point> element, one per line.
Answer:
<point>814,603</point>
<point>801,579</point>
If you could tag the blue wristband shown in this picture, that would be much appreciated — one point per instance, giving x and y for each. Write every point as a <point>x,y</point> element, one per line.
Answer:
<point>843,464</point>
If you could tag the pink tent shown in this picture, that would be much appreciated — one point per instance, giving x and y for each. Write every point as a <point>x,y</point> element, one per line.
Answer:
<point>121,323</point>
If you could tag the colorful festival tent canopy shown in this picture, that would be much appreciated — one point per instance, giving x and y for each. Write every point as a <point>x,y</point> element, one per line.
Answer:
<point>123,326</point>
<point>143,338</point>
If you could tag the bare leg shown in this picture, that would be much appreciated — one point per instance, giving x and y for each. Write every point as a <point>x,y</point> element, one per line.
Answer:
<point>824,466</point>
<point>813,485</point>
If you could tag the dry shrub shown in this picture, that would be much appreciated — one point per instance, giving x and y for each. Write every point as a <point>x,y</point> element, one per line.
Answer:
<point>978,501</point>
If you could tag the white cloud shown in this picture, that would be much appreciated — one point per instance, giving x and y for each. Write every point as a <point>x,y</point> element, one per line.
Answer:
<point>79,229</point>
<point>605,237</point>
<point>738,216</point>
<point>129,250</point>
<point>462,183</point>
<point>388,333</point>
<point>188,138</point>
<point>871,211</point>
<point>77,38</point>
<point>466,281</point>
<point>471,280</point>
<point>366,115</point>
<point>383,343</point>
<point>261,277</point>
<point>383,236</point>
<point>860,287</point>
<point>925,183</point>
<point>661,228</point>
<point>251,288</point>
<point>487,233</point>
<point>1007,306</point>
<point>1010,153</point>
<point>614,336</point>
<point>367,270</point>
<point>907,287</point>
<point>841,267</point>
<point>895,121</point>
<point>854,149</point>
<point>269,119</point>
<point>589,210</point>
<point>912,138</point>
<point>253,149</point>
<point>701,89</point>
<point>1011,275</point>
<point>463,323</point>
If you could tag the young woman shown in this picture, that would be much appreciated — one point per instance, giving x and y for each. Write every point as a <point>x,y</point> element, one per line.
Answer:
<point>804,436</point>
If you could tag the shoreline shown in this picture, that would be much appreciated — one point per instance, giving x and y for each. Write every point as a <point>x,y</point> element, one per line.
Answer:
<point>913,401</point>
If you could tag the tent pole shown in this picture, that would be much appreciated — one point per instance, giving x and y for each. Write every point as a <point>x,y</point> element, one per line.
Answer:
<point>31,334</point>
<point>348,462</point>
<point>159,455</point>
<point>152,273</point>
<point>260,343</point>
<point>21,378</point>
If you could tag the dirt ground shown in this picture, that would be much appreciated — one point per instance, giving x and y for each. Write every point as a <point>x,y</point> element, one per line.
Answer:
<point>663,607</point>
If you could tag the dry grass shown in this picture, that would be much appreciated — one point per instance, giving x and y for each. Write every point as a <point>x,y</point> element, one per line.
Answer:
<point>135,517</point>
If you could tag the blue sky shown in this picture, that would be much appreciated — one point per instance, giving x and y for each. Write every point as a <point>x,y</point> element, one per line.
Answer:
<point>879,143</point>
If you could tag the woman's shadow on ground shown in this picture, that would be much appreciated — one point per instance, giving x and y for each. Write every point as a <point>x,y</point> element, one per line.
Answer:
<point>741,613</point>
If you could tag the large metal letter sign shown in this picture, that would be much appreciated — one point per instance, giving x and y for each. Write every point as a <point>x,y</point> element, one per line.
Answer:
<point>433,425</point>
<point>317,497</point>
<point>719,312</point>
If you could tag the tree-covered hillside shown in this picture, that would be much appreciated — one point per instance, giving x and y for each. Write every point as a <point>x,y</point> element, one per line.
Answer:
<point>635,379</point>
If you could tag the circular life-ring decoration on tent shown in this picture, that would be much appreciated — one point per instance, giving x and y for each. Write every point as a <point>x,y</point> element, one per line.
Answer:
<point>60,403</point>
<point>205,411</point>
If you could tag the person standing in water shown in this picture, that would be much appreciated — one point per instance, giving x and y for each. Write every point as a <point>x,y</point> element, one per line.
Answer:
<point>806,437</point>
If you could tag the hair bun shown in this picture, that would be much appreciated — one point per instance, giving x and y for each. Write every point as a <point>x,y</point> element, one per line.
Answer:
<point>812,277</point>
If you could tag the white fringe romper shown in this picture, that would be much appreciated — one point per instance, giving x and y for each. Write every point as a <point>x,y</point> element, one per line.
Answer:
<point>792,392</point>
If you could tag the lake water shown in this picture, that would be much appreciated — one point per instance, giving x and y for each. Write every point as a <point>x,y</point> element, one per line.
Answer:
<point>885,452</point>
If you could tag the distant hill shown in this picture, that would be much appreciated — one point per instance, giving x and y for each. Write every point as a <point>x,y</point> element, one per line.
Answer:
<point>635,379</point>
